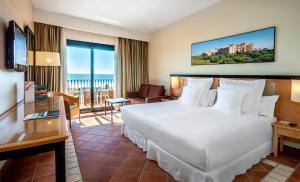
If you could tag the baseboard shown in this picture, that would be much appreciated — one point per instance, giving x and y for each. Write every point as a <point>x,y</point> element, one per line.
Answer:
<point>292,144</point>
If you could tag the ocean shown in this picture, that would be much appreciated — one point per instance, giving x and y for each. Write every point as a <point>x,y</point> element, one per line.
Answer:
<point>88,76</point>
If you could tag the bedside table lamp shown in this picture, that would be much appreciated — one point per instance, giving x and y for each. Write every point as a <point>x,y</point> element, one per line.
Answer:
<point>295,94</point>
<point>174,86</point>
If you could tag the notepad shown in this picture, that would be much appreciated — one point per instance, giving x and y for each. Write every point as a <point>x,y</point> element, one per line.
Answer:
<point>42,115</point>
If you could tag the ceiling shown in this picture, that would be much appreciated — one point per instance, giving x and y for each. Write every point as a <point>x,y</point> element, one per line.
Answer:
<point>140,15</point>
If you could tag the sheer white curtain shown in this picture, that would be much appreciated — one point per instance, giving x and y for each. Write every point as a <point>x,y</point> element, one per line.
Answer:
<point>63,61</point>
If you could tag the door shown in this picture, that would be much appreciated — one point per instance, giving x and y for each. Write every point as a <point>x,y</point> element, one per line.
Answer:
<point>90,73</point>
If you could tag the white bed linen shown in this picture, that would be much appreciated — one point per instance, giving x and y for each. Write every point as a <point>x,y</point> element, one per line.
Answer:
<point>202,137</point>
<point>182,171</point>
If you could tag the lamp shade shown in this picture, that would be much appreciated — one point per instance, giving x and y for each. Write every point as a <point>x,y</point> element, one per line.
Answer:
<point>295,94</point>
<point>174,82</point>
<point>44,58</point>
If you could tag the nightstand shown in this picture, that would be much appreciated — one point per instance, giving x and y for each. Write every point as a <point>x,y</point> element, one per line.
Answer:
<point>282,130</point>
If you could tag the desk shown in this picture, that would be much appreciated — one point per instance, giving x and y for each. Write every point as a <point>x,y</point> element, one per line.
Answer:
<point>20,138</point>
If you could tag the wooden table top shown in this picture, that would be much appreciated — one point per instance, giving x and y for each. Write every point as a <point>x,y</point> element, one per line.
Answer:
<point>286,126</point>
<point>15,133</point>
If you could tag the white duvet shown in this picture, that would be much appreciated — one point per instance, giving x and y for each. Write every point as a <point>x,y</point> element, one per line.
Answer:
<point>200,136</point>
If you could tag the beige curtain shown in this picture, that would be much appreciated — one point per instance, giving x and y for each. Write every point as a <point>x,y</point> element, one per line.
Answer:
<point>48,75</point>
<point>47,38</point>
<point>30,74</point>
<point>131,65</point>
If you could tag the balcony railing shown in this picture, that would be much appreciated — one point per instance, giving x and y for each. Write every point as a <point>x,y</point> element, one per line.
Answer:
<point>79,85</point>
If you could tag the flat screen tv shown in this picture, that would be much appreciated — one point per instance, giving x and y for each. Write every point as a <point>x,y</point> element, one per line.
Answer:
<point>16,48</point>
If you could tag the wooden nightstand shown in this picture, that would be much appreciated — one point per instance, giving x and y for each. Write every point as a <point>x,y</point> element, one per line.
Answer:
<point>282,130</point>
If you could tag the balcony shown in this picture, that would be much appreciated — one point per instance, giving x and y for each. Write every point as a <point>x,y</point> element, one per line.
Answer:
<point>103,89</point>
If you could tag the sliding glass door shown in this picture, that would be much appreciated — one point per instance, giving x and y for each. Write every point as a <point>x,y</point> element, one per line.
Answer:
<point>103,75</point>
<point>90,73</point>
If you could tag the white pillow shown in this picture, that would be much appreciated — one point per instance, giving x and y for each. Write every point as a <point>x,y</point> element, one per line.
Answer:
<point>209,97</point>
<point>254,90</point>
<point>204,83</point>
<point>229,100</point>
<point>191,95</point>
<point>267,105</point>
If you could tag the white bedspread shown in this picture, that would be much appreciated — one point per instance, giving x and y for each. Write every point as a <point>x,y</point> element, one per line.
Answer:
<point>200,136</point>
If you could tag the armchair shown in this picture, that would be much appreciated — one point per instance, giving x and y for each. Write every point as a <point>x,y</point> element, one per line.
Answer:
<point>72,106</point>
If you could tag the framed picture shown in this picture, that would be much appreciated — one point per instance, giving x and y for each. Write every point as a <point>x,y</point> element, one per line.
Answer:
<point>251,47</point>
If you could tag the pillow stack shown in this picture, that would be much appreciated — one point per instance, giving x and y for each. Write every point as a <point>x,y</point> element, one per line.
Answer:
<point>196,91</point>
<point>248,94</point>
<point>236,97</point>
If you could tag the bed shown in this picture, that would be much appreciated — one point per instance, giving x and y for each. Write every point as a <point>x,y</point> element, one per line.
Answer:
<point>197,143</point>
<point>200,144</point>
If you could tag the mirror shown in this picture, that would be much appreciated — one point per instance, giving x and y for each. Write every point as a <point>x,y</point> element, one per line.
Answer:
<point>30,73</point>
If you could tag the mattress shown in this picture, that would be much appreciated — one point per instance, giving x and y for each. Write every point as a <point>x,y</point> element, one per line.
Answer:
<point>200,136</point>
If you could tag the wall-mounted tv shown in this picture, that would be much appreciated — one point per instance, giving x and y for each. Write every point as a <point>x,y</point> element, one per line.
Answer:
<point>252,47</point>
<point>16,48</point>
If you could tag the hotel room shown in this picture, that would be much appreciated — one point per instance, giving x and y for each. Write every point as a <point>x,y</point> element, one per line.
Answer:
<point>149,91</point>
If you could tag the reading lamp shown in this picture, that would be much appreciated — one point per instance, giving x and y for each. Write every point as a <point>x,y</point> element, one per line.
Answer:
<point>174,85</point>
<point>44,58</point>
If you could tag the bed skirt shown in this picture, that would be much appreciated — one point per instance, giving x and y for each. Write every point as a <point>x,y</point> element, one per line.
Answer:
<point>182,171</point>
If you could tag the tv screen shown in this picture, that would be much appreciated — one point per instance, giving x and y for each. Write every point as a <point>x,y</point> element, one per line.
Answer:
<point>16,48</point>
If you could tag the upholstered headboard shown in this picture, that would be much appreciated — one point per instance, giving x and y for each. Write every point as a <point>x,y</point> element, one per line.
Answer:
<point>275,85</point>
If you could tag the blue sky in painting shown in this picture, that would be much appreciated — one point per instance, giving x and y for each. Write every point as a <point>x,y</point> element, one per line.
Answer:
<point>78,61</point>
<point>261,39</point>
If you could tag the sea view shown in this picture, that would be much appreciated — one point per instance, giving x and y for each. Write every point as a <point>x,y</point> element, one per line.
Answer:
<point>88,76</point>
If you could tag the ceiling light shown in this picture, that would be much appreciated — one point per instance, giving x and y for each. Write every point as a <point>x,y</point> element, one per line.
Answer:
<point>110,20</point>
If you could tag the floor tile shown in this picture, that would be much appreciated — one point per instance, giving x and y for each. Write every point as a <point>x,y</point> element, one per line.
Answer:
<point>44,169</point>
<point>296,174</point>
<point>150,176</point>
<point>100,172</point>
<point>127,175</point>
<point>152,166</point>
<point>85,137</point>
<point>134,163</point>
<point>46,178</point>
<point>241,178</point>
<point>114,160</point>
<point>19,173</point>
<point>88,146</point>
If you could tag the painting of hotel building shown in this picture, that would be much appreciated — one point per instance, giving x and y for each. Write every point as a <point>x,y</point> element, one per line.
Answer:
<point>252,47</point>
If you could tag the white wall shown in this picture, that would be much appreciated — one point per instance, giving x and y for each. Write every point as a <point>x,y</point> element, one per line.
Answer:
<point>170,47</point>
<point>12,83</point>
<point>87,25</point>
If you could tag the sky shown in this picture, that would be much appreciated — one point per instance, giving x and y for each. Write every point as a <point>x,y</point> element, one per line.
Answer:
<point>261,39</point>
<point>78,61</point>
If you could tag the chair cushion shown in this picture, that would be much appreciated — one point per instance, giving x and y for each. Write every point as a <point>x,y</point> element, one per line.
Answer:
<point>136,100</point>
<point>156,90</point>
<point>144,90</point>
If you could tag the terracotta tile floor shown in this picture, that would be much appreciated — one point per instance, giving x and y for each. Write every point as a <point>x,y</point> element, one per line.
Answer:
<point>105,155</point>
